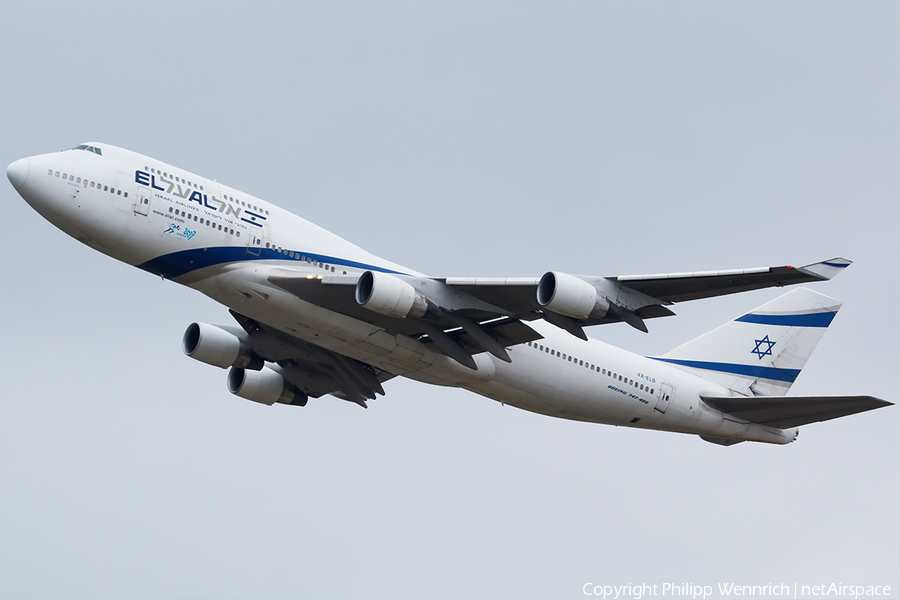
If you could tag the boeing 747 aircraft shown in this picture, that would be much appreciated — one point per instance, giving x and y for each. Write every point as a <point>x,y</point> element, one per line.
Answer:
<point>318,315</point>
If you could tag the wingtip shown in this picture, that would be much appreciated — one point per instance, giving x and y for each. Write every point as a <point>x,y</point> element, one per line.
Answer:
<point>827,269</point>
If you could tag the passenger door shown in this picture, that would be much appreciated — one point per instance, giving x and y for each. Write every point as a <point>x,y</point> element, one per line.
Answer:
<point>665,394</point>
<point>142,201</point>
<point>257,240</point>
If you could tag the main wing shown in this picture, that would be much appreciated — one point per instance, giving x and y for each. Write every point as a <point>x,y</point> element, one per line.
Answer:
<point>466,316</point>
<point>633,298</point>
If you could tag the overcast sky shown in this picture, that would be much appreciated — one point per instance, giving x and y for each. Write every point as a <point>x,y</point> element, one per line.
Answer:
<point>494,139</point>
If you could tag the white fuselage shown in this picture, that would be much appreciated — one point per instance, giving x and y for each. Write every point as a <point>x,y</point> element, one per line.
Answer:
<point>222,242</point>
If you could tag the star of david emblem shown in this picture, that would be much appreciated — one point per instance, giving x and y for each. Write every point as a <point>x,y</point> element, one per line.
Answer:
<point>759,351</point>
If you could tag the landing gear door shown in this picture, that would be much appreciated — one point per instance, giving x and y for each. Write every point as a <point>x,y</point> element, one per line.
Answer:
<point>665,394</point>
<point>142,201</point>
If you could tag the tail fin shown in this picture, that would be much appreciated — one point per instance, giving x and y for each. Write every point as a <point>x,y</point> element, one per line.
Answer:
<point>762,352</point>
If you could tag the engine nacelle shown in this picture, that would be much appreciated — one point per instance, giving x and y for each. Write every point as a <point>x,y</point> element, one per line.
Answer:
<point>391,296</point>
<point>215,346</point>
<point>266,387</point>
<point>568,295</point>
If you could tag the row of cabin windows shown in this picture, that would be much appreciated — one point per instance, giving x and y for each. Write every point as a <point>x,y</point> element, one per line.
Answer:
<point>303,257</point>
<point>258,209</point>
<point>178,179</point>
<point>581,363</point>
<point>200,187</point>
<point>79,180</point>
<point>207,222</point>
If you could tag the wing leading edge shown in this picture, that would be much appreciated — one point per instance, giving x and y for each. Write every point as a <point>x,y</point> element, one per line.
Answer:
<point>680,287</point>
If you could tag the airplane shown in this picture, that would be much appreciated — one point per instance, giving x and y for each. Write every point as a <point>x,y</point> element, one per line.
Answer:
<point>317,315</point>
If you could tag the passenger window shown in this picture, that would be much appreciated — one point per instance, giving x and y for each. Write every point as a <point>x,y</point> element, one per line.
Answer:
<point>105,188</point>
<point>78,180</point>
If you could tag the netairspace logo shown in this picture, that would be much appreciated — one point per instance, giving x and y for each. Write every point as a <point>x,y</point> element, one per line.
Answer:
<point>727,590</point>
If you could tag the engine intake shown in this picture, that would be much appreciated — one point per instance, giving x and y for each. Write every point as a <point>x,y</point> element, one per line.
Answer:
<point>266,387</point>
<point>568,295</point>
<point>215,346</point>
<point>391,296</point>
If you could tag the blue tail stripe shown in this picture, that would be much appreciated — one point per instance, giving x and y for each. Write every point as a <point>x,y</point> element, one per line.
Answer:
<point>773,373</point>
<point>819,319</point>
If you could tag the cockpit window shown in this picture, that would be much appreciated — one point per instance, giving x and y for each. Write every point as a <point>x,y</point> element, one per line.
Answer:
<point>93,149</point>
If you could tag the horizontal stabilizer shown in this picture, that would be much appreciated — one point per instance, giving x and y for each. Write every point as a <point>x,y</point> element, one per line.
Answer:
<point>784,412</point>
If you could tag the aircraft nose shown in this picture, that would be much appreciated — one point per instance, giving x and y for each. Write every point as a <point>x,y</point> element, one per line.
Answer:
<point>17,172</point>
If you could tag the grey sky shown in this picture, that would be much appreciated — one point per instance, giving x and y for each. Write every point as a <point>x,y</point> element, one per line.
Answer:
<point>458,139</point>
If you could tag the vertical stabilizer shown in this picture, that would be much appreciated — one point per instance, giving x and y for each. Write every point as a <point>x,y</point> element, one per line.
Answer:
<point>762,352</point>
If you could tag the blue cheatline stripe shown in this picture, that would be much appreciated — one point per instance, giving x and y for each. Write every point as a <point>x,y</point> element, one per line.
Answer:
<point>788,375</point>
<point>182,262</point>
<point>819,319</point>
<point>839,265</point>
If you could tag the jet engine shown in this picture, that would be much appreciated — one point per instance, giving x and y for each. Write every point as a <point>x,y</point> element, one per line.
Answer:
<point>266,386</point>
<point>391,296</point>
<point>568,295</point>
<point>215,346</point>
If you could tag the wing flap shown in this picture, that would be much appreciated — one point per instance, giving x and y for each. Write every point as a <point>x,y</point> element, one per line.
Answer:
<point>792,411</point>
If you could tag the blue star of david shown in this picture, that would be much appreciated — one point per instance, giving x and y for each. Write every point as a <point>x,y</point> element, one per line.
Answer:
<point>767,351</point>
